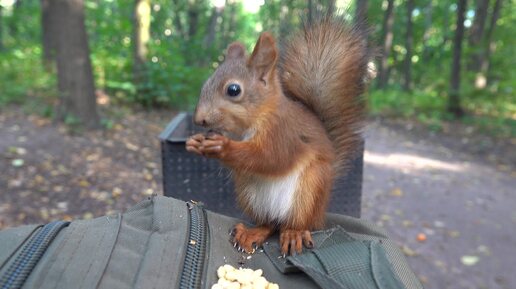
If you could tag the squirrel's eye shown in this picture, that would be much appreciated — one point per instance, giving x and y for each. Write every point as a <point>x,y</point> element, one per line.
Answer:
<point>233,90</point>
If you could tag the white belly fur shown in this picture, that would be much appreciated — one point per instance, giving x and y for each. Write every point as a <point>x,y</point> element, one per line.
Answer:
<point>272,198</point>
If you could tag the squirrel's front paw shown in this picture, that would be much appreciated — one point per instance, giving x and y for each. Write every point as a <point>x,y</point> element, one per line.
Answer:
<point>214,146</point>
<point>194,143</point>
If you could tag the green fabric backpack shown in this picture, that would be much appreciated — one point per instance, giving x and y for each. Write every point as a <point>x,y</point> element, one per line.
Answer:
<point>167,243</point>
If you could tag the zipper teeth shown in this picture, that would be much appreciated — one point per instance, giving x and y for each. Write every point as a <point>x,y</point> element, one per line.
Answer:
<point>193,264</point>
<point>29,256</point>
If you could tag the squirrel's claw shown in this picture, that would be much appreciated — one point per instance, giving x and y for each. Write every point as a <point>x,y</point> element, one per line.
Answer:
<point>292,241</point>
<point>249,239</point>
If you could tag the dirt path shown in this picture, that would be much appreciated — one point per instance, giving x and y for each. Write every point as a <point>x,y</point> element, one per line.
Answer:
<point>465,207</point>
<point>413,183</point>
<point>48,173</point>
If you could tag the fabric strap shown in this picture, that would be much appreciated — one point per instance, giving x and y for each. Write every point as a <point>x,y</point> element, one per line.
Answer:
<point>30,254</point>
<point>341,262</point>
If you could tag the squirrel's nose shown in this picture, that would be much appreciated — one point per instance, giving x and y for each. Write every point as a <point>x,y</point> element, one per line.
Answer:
<point>200,119</point>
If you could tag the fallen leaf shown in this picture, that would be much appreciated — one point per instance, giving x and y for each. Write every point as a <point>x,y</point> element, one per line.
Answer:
<point>407,223</point>
<point>439,224</point>
<point>131,146</point>
<point>407,251</point>
<point>468,260</point>
<point>117,192</point>
<point>62,206</point>
<point>84,183</point>
<point>17,162</point>
<point>385,217</point>
<point>484,250</point>
<point>397,192</point>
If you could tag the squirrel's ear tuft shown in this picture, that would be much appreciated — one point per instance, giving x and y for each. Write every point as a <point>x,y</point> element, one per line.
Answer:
<point>265,54</point>
<point>235,50</point>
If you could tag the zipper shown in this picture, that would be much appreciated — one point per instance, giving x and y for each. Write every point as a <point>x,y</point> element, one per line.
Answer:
<point>30,253</point>
<point>196,249</point>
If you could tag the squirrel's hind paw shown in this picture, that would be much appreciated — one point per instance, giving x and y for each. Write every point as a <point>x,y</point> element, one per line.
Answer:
<point>292,241</point>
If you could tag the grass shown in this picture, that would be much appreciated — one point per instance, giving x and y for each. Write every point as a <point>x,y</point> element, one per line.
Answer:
<point>491,113</point>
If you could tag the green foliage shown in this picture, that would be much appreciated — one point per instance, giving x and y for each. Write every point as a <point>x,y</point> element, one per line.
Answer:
<point>23,76</point>
<point>178,63</point>
<point>180,55</point>
<point>494,117</point>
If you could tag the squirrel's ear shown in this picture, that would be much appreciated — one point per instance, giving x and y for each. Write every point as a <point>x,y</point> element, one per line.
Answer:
<point>235,50</point>
<point>265,54</point>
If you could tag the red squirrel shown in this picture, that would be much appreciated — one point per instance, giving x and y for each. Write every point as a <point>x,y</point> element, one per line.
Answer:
<point>286,122</point>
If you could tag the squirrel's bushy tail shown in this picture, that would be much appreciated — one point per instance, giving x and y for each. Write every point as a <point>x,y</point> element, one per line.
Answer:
<point>325,66</point>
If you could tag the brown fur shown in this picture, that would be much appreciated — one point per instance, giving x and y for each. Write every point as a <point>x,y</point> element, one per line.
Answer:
<point>303,117</point>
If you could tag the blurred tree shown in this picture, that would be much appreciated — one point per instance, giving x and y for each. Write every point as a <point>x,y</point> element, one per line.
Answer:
<point>386,42</point>
<point>15,17</point>
<point>1,29</point>
<point>48,34</point>
<point>489,47</point>
<point>476,33</point>
<point>454,105</point>
<point>74,74</point>
<point>216,13</point>
<point>177,7</point>
<point>361,11</point>
<point>311,10</point>
<point>194,9</point>
<point>330,6</point>
<point>428,28</point>
<point>141,36</point>
<point>445,30</point>
<point>228,32</point>
<point>409,39</point>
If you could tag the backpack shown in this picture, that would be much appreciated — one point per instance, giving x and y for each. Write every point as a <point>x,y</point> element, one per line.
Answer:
<point>167,243</point>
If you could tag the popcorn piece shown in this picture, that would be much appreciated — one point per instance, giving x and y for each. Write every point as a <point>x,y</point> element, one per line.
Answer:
<point>231,275</point>
<point>260,283</point>
<point>242,278</point>
<point>221,272</point>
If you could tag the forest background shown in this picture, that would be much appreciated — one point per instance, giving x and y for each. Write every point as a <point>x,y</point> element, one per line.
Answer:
<point>438,61</point>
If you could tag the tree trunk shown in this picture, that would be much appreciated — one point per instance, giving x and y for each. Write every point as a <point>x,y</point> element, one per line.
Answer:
<point>141,36</point>
<point>408,46</point>
<point>476,33</point>
<point>1,30</point>
<point>286,14</point>
<point>331,7</point>
<point>387,37</point>
<point>216,13</point>
<point>310,10</point>
<point>177,19</point>
<point>230,23</point>
<point>489,47</point>
<point>48,34</point>
<point>361,12</point>
<point>13,28</point>
<point>426,34</point>
<point>74,73</point>
<point>193,18</point>
<point>454,105</point>
<point>445,29</point>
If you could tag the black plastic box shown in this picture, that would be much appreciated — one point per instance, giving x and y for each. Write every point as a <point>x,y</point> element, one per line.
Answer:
<point>188,176</point>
